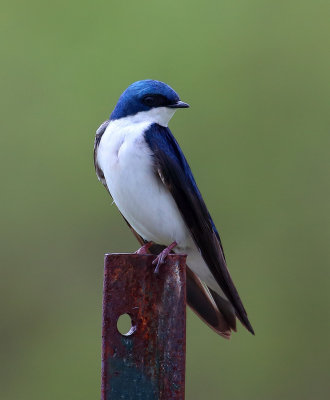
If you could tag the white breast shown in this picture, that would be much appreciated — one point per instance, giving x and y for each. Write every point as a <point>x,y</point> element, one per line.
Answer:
<point>141,197</point>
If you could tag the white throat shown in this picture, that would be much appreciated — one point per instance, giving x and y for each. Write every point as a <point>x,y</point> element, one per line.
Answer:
<point>159,115</point>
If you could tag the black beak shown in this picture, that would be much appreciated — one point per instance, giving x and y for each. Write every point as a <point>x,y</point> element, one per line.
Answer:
<point>179,104</point>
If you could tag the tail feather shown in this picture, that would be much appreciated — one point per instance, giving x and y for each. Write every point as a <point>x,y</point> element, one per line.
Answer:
<point>225,308</point>
<point>201,301</point>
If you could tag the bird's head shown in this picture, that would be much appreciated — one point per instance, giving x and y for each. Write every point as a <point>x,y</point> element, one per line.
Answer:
<point>148,100</point>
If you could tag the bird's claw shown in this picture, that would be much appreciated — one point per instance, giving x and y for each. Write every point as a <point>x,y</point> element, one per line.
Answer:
<point>160,259</point>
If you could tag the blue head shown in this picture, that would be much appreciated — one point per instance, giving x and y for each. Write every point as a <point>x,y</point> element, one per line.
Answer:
<point>145,96</point>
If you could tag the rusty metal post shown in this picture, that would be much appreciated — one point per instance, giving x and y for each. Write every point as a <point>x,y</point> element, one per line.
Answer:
<point>149,362</point>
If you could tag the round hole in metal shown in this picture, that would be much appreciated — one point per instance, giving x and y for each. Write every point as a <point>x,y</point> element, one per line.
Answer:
<point>125,325</point>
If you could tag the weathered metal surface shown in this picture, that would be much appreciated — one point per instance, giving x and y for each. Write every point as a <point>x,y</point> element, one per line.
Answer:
<point>149,362</point>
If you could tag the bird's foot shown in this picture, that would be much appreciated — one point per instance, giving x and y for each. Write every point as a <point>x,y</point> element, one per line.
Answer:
<point>160,259</point>
<point>144,249</point>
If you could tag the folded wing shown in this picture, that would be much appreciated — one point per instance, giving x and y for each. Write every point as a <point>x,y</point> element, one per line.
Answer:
<point>173,170</point>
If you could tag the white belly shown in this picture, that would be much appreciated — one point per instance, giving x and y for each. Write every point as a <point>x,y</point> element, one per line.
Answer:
<point>141,197</point>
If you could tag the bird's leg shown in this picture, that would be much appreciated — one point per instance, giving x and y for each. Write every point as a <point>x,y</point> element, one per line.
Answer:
<point>160,259</point>
<point>144,249</point>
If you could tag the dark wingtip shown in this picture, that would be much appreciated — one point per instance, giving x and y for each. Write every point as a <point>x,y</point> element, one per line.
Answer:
<point>250,329</point>
<point>246,323</point>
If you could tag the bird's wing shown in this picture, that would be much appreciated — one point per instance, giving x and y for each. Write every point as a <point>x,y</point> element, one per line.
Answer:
<point>98,136</point>
<point>173,170</point>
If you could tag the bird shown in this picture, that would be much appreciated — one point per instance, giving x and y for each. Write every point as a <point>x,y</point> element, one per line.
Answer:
<point>142,166</point>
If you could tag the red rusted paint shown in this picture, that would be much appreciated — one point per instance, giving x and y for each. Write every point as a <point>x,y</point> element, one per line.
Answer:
<point>148,364</point>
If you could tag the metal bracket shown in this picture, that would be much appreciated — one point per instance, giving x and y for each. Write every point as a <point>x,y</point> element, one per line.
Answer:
<point>149,361</point>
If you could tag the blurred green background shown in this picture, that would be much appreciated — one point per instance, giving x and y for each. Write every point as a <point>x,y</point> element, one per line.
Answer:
<point>256,74</point>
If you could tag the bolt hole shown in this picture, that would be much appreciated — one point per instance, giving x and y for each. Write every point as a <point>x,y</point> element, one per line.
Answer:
<point>125,325</point>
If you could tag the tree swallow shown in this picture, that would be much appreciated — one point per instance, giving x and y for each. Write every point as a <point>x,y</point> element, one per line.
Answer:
<point>140,163</point>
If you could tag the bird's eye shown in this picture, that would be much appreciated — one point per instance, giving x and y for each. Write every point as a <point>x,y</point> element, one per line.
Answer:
<point>155,100</point>
<point>149,100</point>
